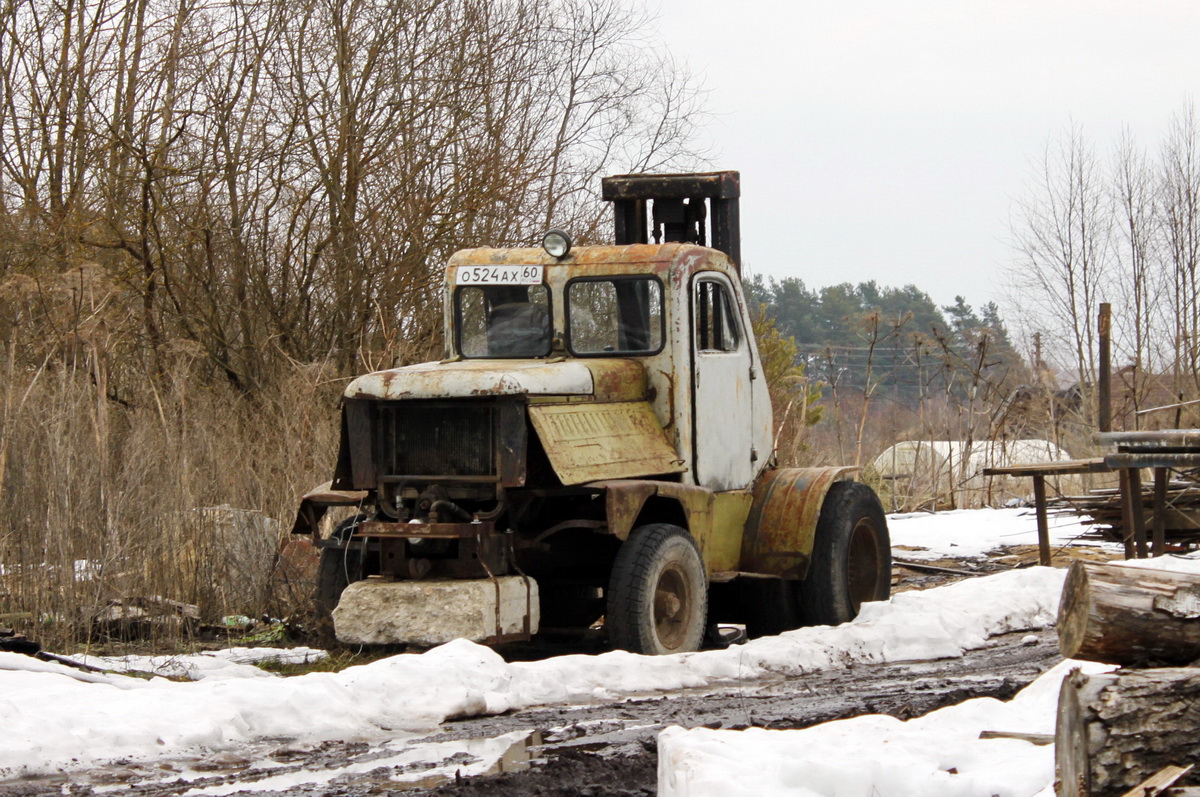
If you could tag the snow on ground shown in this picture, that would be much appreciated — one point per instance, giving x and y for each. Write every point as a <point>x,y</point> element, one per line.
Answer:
<point>880,756</point>
<point>973,533</point>
<point>55,722</point>
<point>58,719</point>
<point>877,755</point>
<point>235,662</point>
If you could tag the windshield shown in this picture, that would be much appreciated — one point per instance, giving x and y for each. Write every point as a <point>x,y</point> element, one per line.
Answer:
<point>622,315</point>
<point>503,320</point>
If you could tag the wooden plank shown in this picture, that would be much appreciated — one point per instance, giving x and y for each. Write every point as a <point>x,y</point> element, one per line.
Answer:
<point>1153,459</point>
<point>1159,782</point>
<point>1032,738</point>
<point>1064,467</point>
<point>922,567</point>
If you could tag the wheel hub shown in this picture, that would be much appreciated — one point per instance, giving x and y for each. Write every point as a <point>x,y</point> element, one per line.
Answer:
<point>671,601</point>
<point>862,567</point>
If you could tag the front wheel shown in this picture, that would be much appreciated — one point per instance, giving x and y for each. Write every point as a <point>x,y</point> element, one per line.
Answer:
<point>852,556</point>
<point>658,592</point>
<point>336,569</point>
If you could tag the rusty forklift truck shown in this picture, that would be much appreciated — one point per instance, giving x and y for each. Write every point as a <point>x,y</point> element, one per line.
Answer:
<point>596,443</point>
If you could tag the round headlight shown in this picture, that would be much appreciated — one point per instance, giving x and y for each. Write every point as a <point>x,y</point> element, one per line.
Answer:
<point>556,243</point>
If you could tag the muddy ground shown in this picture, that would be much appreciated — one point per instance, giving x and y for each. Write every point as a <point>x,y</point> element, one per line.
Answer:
<point>601,750</point>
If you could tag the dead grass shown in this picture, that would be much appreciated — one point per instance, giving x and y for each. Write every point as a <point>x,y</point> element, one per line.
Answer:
<point>177,488</point>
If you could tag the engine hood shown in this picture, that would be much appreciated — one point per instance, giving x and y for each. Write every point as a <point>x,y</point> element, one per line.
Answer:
<point>604,379</point>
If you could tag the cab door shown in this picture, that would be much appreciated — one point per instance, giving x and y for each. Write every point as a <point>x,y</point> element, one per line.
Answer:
<point>722,410</point>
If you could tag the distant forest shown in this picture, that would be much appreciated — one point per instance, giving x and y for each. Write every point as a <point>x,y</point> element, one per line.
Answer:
<point>874,339</point>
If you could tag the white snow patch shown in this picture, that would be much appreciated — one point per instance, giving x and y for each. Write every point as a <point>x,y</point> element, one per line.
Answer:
<point>877,755</point>
<point>237,662</point>
<point>53,721</point>
<point>973,533</point>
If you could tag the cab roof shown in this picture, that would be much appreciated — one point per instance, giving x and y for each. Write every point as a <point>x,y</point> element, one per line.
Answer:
<point>634,258</point>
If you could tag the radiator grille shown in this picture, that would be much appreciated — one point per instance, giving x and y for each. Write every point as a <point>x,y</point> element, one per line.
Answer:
<point>437,440</point>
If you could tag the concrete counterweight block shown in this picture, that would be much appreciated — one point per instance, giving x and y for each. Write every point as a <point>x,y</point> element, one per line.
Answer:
<point>378,612</point>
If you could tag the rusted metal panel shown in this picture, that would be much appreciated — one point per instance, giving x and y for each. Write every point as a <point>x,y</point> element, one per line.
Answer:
<point>316,501</point>
<point>617,379</point>
<point>779,533</point>
<point>475,378</point>
<point>376,528</point>
<point>589,442</point>
<point>605,259</point>
<point>715,520</point>
<point>724,545</point>
<point>625,498</point>
<point>722,185</point>
<point>623,502</point>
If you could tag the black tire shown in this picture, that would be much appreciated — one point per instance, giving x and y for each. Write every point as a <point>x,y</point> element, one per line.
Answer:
<point>769,606</point>
<point>657,600</point>
<point>852,556</point>
<point>335,570</point>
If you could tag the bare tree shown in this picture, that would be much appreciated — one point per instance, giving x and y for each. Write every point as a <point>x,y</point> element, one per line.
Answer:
<point>1062,237</point>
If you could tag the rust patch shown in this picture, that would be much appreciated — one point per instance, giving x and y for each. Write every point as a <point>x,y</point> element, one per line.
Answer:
<point>589,442</point>
<point>778,539</point>
<point>375,528</point>
<point>623,502</point>
<point>624,499</point>
<point>617,379</point>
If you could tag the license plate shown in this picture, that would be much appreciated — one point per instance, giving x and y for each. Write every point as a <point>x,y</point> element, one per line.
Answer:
<point>498,275</point>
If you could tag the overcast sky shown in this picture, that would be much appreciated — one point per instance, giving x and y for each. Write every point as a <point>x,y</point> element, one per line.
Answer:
<point>889,139</point>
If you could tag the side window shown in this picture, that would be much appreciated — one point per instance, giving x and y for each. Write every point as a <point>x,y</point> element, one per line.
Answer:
<point>716,325</point>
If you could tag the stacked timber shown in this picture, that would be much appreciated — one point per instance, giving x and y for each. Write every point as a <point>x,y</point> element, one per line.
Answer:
<point>1116,732</point>
<point>1101,509</point>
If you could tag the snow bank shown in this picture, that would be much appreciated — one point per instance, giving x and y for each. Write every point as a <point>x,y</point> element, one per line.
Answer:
<point>53,721</point>
<point>876,755</point>
<point>879,756</point>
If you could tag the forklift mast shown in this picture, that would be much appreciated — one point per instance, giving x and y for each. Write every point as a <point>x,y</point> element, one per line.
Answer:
<point>682,203</point>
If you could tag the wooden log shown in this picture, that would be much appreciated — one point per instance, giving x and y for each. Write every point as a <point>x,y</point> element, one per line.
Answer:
<point>1130,616</point>
<point>1116,730</point>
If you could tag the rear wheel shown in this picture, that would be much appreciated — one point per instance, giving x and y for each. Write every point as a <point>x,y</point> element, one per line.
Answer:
<point>658,592</point>
<point>852,556</point>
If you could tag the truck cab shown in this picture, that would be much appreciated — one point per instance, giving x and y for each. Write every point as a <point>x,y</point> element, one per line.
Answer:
<point>597,442</point>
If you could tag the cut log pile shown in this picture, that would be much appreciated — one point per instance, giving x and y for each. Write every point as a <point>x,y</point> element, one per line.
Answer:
<point>1101,509</point>
<point>1135,731</point>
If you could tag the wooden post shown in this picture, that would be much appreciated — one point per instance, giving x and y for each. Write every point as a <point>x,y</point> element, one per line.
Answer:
<point>1126,512</point>
<point>1160,510</point>
<point>1104,402</point>
<point>1043,523</point>
<point>1138,513</point>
